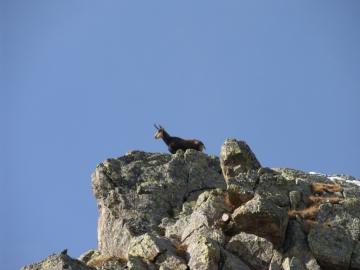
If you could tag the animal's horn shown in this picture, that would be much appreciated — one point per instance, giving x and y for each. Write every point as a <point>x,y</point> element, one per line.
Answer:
<point>156,127</point>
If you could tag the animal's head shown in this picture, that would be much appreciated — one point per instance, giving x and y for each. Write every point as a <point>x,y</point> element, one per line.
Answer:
<point>159,134</point>
<point>200,144</point>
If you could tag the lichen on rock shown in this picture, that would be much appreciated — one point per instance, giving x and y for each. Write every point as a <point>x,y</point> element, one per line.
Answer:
<point>255,251</point>
<point>191,210</point>
<point>261,217</point>
<point>332,247</point>
<point>236,157</point>
<point>58,261</point>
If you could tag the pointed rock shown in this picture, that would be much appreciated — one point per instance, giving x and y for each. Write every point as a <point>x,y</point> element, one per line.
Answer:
<point>236,157</point>
<point>58,262</point>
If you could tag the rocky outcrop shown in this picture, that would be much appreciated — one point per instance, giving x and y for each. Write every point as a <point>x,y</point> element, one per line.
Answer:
<point>137,191</point>
<point>197,211</point>
<point>236,157</point>
<point>58,262</point>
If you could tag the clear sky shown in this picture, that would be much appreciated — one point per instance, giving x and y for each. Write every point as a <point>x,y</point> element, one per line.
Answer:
<point>82,81</point>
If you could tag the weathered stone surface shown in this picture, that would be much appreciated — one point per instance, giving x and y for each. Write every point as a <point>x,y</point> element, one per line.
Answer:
<point>58,262</point>
<point>231,262</point>
<point>204,253</point>
<point>255,251</point>
<point>293,264</point>
<point>296,246</point>
<point>346,215</point>
<point>87,256</point>
<point>304,188</point>
<point>275,188</point>
<point>291,174</point>
<point>324,210</point>
<point>276,261</point>
<point>199,233</point>
<point>236,157</point>
<point>136,191</point>
<point>209,208</point>
<point>207,211</point>
<point>262,218</point>
<point>355,258</point>
<point>278,189</point>
<point>101,261</point>
<point>135,263</point>
<point>295,198</point>
<point>332,247</point>
<point>241,187</point>
<point>169,261</point>
<point>350,190</point>
<point>161,211</point>
<point>149,246</point>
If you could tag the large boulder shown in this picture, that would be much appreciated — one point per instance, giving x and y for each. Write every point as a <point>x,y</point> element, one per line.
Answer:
<point>275,187</point>
<point>236,157</point>
<point>261,217</point>
<point>332,247</point>
<point>296,246</point>
<point>231,262</point>
<point>204,253</point>
<point>255,251</point>
<point>241,187</point>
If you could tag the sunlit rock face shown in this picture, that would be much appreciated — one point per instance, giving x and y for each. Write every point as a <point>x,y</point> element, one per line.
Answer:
<point>191,210</point>
<point>136,192</point>
<point>236,157</point>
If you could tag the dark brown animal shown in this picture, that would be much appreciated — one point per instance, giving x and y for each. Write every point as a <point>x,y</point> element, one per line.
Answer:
<point>176,143</point>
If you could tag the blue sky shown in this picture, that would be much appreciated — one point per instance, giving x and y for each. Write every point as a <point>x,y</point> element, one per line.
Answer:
<point>82,81</point>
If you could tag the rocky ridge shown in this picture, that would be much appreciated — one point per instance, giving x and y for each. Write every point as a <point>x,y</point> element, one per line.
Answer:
<point>197,211</point>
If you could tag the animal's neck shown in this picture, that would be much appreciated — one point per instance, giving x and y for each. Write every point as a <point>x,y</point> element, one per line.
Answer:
<point>166,137</point>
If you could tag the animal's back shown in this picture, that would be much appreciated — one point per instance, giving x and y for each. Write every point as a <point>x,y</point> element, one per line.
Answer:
<point>176,143</point>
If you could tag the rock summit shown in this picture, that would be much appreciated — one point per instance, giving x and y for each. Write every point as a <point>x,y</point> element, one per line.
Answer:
<point>191,210</point>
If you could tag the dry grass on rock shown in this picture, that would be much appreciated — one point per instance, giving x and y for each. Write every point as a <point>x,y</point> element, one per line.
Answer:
<point>227,199</point>
<point>306,225</point>
<point>320,188</point>
<point>102,260</point>
<point>180,250</point>
<point>317,200</point>
<point>309,214</point>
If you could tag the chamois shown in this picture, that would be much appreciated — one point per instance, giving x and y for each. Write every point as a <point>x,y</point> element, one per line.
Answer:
<point>176,143</point>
